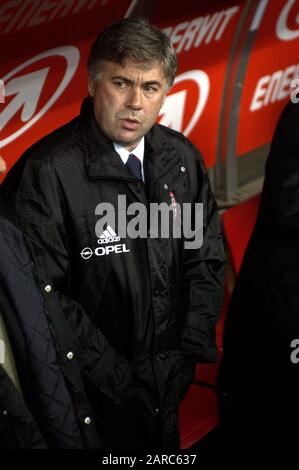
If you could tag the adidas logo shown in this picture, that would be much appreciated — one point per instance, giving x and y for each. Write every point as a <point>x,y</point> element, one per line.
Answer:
<point>108,236</point>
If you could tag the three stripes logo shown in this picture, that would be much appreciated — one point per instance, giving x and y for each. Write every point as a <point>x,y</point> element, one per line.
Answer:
<point>108,236</point>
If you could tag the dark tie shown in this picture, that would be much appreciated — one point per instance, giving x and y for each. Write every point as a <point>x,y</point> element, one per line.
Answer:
<point>134,165</point>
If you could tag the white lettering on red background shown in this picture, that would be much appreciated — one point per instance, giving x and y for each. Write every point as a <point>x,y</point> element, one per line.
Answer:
<point>283,31</point>
<point>2,92</point>
<point>19,14</point>
<point>295,92</point>
<point>202,30</point>
<point>28,87</point>
<point>173,110</point>
<point>274,87</point>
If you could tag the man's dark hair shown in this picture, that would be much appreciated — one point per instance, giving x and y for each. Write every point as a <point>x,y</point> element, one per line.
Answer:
<point>136,40</point>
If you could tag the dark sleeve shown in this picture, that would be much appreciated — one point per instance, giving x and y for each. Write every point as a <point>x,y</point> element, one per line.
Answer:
<point>18,428</point>
<point>202,277</point>
<point>281,188</point>
<point>37,208</point>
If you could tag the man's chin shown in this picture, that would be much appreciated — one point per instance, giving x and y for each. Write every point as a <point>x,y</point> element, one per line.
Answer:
<point>128,143</point>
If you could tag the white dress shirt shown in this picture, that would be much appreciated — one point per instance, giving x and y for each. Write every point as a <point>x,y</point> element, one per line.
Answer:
<point>137,151</point>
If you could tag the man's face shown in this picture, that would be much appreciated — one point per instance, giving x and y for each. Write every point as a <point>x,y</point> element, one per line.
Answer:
<point>127,100</point>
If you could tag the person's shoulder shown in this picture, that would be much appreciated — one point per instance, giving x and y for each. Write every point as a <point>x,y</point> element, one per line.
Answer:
<point>292,108</point>
<point>166,134</point>
<point>56,143</point>
<point>162,135</point>
<point>287,129</point>
<point>50,151</point>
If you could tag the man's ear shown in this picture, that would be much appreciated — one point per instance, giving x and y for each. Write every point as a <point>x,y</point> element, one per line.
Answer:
<point>91,87</point>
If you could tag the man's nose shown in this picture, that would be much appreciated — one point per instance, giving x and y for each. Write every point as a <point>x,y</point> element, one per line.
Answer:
<point>134,100</point>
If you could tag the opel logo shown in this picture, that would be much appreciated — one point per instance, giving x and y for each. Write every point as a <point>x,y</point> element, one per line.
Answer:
<point>86,253</point>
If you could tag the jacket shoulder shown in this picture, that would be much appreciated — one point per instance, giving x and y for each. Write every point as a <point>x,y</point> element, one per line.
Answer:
<point>166,136</point>
<point>56,142</point>
<point>170,135</point>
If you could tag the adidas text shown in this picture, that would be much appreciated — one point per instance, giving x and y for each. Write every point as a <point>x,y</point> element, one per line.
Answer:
<point>102,241</point>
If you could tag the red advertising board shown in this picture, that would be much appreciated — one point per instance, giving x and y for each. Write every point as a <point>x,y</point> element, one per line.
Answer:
<point>43,52</point>
<point>202,39</point>
<point>44,47</point>
<point>273,65</point>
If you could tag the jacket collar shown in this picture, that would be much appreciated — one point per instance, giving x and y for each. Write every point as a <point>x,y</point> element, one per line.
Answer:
<point>102,161</point>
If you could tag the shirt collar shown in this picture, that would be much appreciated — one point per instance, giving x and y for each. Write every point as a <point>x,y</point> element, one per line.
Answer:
<point>124,153</point>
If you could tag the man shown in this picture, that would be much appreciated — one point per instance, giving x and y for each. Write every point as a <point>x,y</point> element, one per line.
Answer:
<point>259,375</point>
<point>143,309</point>
<point>43,403</point>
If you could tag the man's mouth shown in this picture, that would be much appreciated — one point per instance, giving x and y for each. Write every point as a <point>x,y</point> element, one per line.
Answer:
<point>130,124</point>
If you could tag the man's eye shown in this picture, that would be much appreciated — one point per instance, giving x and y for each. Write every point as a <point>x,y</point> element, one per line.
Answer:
<point>150,88</point>
<point>120,84</point>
